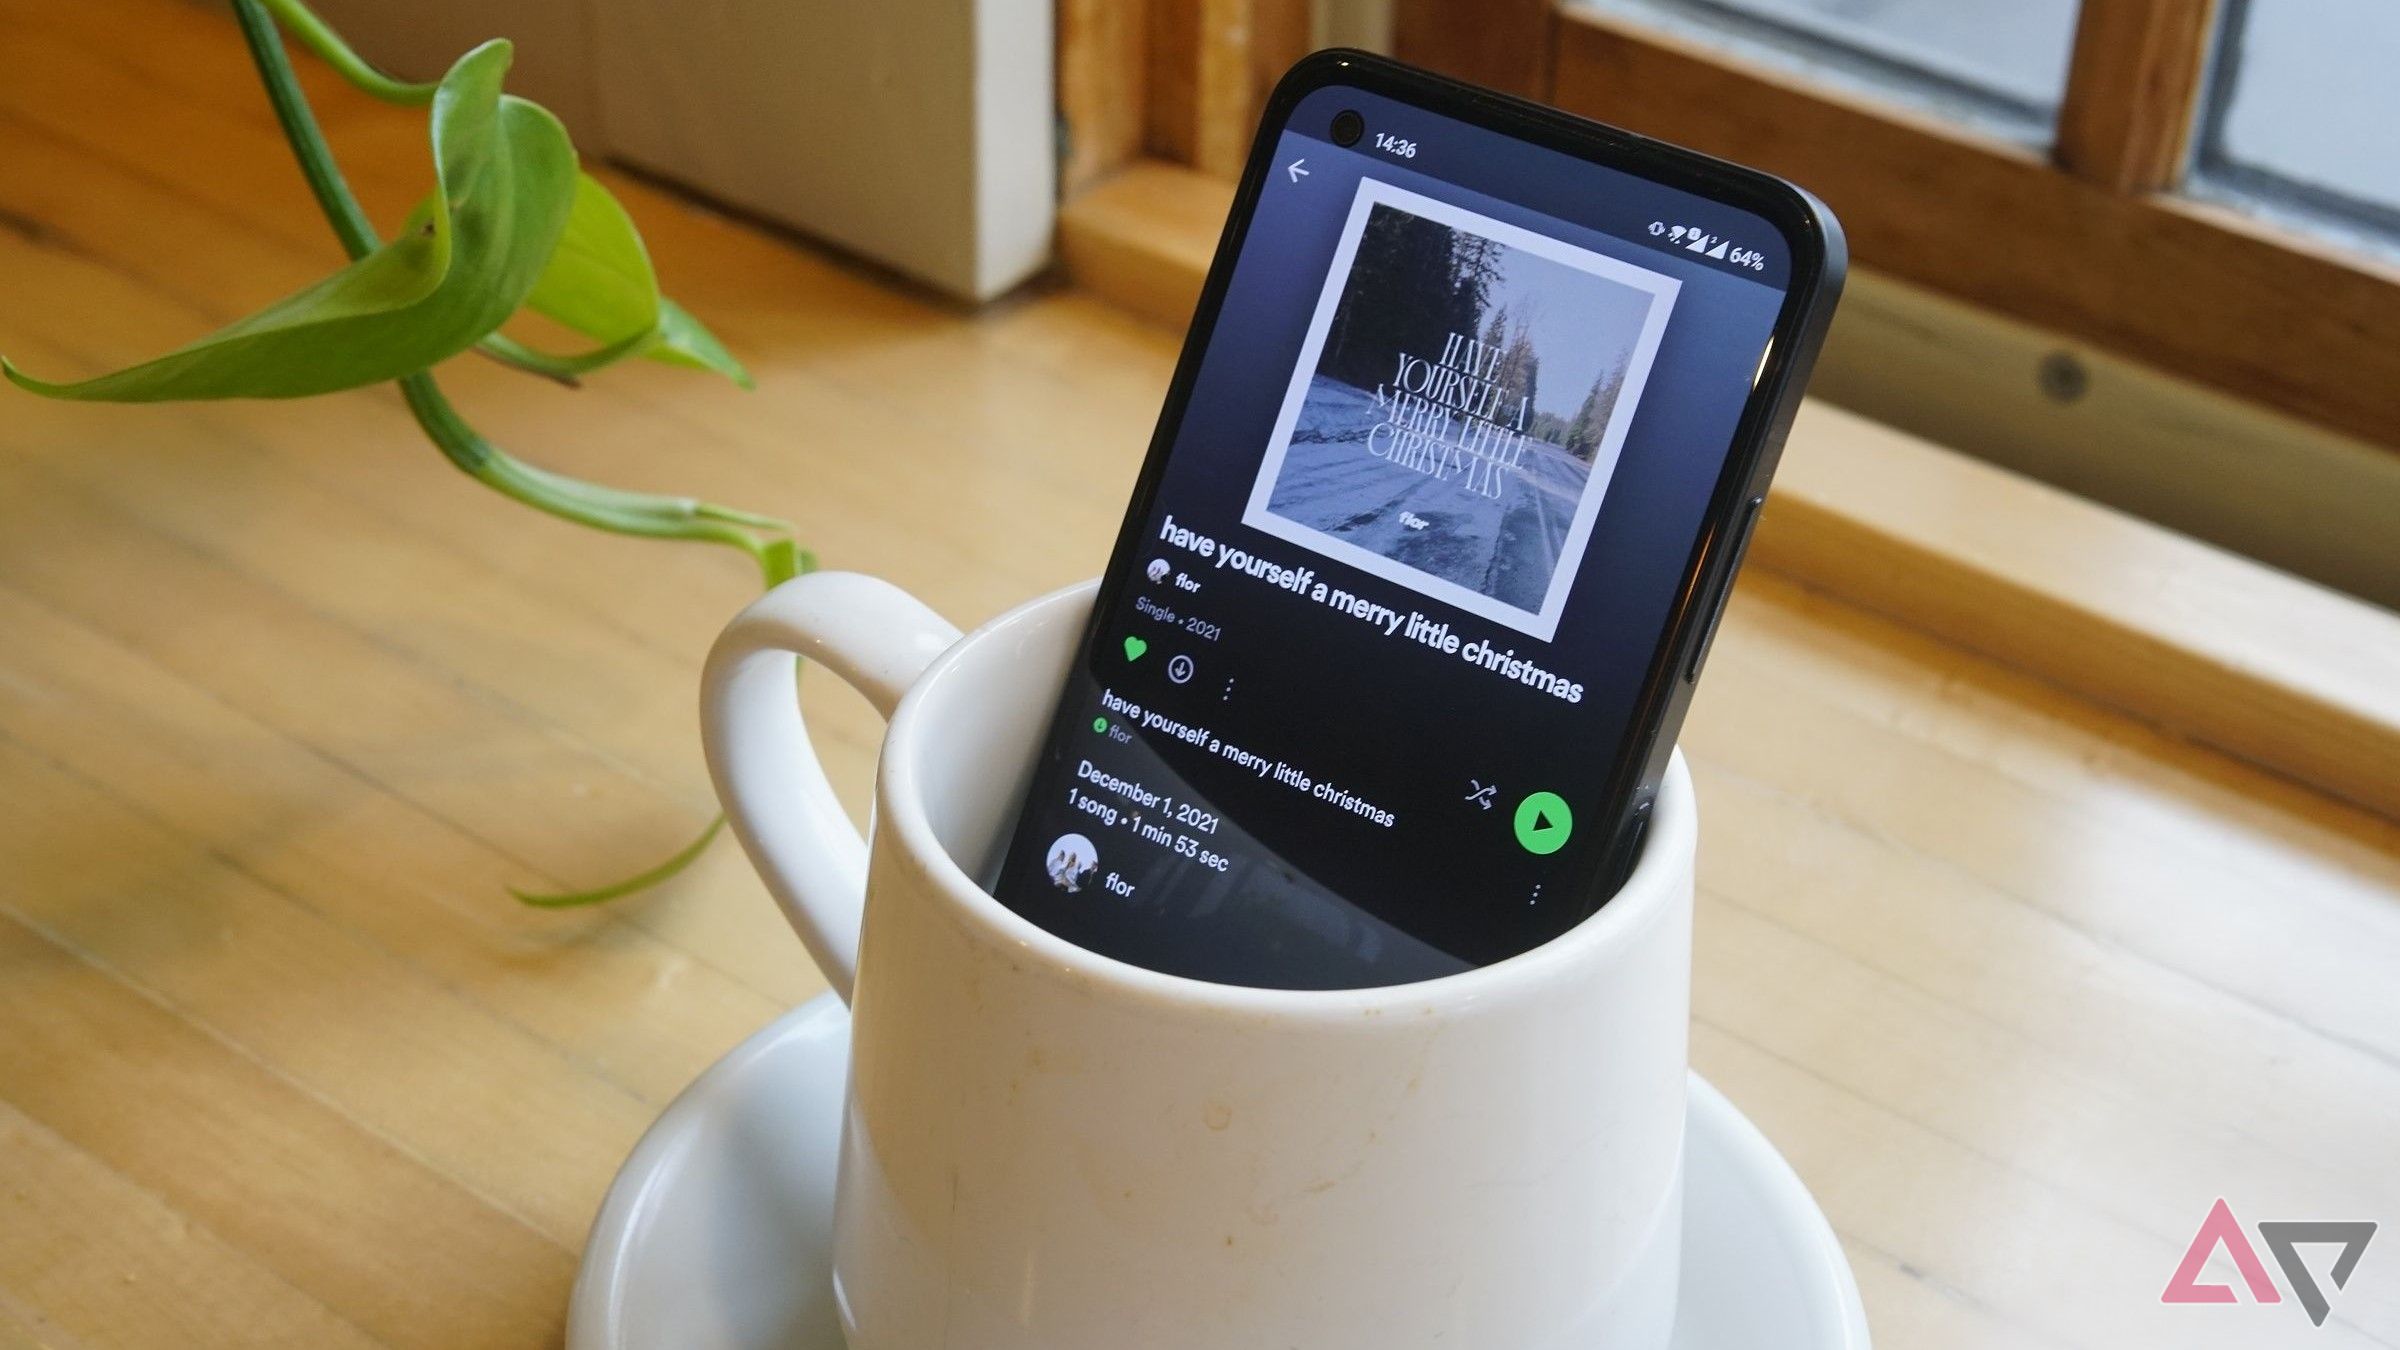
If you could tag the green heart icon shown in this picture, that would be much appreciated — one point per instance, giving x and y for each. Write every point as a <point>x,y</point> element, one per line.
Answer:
<point>1134,647</point>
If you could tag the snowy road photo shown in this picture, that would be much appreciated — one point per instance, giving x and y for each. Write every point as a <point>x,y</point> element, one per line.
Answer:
<point>1505,546</point>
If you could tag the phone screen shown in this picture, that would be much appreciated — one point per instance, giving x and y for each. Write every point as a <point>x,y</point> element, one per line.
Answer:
<point>1370,642</point>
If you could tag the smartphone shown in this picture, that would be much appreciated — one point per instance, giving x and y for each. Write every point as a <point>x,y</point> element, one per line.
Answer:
<point>1473,423</point>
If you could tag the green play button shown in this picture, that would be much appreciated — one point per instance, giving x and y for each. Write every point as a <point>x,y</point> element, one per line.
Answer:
<point>1544,822</point>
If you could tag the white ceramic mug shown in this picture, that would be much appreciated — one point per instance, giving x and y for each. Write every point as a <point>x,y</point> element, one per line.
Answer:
<point>1047,1149</point>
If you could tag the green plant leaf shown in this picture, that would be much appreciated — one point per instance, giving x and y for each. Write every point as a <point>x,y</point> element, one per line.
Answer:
<point>600,283</point>
<point>683,341</point>
<point>468,258</point>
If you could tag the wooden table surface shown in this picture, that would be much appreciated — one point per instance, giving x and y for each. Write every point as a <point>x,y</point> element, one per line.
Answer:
<point>2019,986</point>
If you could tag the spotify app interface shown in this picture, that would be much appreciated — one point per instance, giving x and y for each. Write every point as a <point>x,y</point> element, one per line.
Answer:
<point>1372,641</point>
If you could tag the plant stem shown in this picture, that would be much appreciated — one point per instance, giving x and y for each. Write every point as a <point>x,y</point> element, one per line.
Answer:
<point>603,508</point>
<point>316,35</point>
<point>567,370</point>
<point>639,881</point>
<point>518,356</point>
<point>300,130</point>
<point>767,540</point>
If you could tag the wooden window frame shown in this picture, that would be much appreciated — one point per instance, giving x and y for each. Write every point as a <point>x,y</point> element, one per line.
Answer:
<point>2091,239</point>
<point>1182,81</point>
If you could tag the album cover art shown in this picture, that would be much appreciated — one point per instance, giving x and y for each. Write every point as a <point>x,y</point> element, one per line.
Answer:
<point>1459,405</point>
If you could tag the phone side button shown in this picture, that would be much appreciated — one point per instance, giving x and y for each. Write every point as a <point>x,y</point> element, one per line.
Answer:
<point>1628,851</point>
<point>1716,605</point>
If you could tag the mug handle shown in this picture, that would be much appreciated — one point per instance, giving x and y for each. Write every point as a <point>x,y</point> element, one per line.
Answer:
<point>878,639</point>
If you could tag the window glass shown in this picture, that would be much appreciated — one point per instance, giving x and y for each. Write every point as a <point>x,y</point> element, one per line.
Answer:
<point>2305,113</point>
<point>2001,66</point>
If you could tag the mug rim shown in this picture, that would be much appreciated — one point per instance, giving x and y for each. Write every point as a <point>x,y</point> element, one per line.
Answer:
<point>1648,893</point>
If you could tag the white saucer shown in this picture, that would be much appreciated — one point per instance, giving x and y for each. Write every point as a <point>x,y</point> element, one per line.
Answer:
<point>717,1235</point>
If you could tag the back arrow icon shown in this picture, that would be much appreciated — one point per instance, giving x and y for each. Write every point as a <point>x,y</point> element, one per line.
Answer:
<point>1295,170</point>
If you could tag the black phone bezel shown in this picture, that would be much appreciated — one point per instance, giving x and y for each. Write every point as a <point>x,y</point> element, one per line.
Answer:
<point>1818,263</point>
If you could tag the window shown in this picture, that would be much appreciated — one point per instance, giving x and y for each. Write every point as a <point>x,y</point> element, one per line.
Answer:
<point>2303,120</point>
<point>2171,228</point>
<point>2198,199</point>
<point>2101,234</point>
<point>2001,66</point>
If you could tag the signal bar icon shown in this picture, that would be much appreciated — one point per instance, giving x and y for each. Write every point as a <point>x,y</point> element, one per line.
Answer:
<point>1690,237</point>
